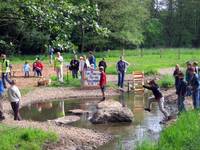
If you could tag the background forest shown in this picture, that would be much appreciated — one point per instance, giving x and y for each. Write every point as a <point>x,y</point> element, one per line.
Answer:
<point>29,27</point>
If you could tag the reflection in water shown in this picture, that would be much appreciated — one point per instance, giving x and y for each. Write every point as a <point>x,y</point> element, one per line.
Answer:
<point>145,124</point>
<point>62,107</point>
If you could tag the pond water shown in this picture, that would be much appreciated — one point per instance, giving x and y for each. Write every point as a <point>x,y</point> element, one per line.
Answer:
<point>145,125</point>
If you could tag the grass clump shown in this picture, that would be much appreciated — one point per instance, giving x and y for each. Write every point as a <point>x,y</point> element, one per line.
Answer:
<point>68,82</point>
<point>24,138</point>
<point>166,81</point>
<point>183,135</point>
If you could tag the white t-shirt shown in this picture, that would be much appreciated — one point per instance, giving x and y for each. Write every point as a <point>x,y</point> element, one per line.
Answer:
<point>14,94</point>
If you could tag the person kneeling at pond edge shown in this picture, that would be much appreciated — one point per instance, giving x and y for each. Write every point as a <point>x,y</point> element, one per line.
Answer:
<point>181,92</point>
<point>102,82</point>
<point>14,96</point>
<point>158,96</point>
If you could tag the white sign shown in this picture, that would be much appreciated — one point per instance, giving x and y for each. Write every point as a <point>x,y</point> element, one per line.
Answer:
<point>92,78</point>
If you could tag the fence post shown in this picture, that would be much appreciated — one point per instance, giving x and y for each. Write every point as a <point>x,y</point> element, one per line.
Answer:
<point>141,52</point>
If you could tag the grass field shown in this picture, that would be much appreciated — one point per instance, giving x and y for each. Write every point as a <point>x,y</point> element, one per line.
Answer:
<point>183,135</point>
<point>24,138</point>
<point>150,62</point>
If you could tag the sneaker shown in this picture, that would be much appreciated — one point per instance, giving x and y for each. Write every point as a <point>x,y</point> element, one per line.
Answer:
<point>147,109</point>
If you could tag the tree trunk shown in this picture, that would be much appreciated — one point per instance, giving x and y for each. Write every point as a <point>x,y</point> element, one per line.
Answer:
<point>82,38</point>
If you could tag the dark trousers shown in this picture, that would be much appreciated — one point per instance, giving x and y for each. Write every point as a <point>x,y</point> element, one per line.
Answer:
<point>74,73</point>
<point>121,79</point>
<point>5,78</point>
<point>39,72</point>
<point>15,108</point>
<point>181,106</point>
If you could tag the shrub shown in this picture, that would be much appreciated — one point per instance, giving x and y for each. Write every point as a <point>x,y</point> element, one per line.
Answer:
<point>166,81</point>
<point>151,72</point>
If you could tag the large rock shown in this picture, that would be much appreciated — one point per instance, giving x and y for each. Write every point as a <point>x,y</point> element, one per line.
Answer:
<point>111,111</point>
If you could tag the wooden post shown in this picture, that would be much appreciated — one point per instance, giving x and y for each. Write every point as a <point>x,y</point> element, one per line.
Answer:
<point>160,53</point>
<point>179,53</point>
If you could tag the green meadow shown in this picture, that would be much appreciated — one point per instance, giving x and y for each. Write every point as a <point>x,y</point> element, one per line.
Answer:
<point>147,60</point>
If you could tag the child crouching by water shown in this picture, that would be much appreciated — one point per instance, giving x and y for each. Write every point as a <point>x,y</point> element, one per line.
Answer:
<point>158,96</point>
<point>14,96</point>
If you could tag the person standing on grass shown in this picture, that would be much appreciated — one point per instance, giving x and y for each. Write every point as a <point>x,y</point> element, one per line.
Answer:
<point>39,68</point>
<point>121,69</point>
<point>158,96</point>
<point>5,70</point>
<point>2,117</point>
<point>58,66</point>
<point>92,59</point>
<point>195,88</point>
<point>102,82</point>
<point>196,68</point>
<point>74,66</point>
<point>181,92</point>
<point>103,64</point>
<point>175,74</point>
<point>26,69</point>
<point>188,78</point>
<point>51,51</point>
<point>14,96</point>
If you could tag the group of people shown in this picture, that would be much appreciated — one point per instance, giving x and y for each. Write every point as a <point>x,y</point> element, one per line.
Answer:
<point>188,85</point>
<point>13,92</point>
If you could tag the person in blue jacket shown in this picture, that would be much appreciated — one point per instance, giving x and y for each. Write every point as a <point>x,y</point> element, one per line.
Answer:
<point>92,59</point>
<point>1,99</point>
<point>195,88</point>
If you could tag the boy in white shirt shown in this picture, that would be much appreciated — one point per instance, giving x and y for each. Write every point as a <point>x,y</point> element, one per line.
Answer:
<point>14,96</point>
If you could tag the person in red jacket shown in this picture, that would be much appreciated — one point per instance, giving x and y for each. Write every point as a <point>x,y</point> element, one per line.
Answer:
<point>38,68</point>
<point>102,82</point>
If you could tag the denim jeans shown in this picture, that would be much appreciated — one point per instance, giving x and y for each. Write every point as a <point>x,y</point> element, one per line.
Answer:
<point>26,74</point>
<point>196,98</point>
<point>5,78</point>
<point>1,106</point>
<point>121,79</point>
<point>74,73</point>
<point>39,72</point>
<point>181,106</point>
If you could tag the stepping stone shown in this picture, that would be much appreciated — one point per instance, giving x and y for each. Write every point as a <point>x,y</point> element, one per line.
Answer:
<point>78,111</point>
<point>66,120</point>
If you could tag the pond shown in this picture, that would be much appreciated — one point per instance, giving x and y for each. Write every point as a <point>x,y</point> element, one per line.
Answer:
<point>145,125</point>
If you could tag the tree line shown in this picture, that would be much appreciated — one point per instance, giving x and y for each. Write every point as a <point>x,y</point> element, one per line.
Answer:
<point>29,27</point>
